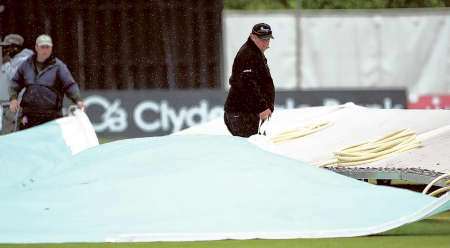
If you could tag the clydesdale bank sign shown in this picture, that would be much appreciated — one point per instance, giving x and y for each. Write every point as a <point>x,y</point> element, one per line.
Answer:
<point>122,114</point>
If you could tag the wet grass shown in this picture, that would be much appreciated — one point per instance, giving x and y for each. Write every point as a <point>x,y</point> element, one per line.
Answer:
<point>432,232</point>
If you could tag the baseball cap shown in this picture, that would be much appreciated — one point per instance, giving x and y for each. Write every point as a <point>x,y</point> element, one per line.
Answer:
<point>263,31</point>
<point>15,39</point>
<point>44,39</point>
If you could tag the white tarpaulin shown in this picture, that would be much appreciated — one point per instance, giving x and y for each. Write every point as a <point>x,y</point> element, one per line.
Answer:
<point>349,125</point>
<point>341,49</point>
<point>184,187</point>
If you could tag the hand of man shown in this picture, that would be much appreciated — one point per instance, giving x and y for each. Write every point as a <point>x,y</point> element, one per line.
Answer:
<point>81,105</point>
<point>265,114</point>
<point>14,105</point>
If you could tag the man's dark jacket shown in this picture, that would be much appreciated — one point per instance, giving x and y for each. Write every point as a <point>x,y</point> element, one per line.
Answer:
<point>252,89</point>
<point>45,89</point>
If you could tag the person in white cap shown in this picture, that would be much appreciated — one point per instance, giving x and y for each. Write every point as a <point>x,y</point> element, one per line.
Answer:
<point>14,55</point>
<point>46,80</point>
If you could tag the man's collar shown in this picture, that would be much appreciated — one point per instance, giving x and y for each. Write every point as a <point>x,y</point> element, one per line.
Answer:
<point>48,61</point>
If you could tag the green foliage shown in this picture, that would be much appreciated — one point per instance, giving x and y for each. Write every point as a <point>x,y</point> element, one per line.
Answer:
<point>332,4</point>
<point>259,4</point>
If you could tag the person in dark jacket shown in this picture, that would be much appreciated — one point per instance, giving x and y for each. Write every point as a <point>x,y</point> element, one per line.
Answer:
<point>46,80</point>
<point>252,93</point>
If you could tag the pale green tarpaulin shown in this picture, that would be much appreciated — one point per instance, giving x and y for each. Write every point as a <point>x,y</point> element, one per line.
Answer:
<point>193,187</point>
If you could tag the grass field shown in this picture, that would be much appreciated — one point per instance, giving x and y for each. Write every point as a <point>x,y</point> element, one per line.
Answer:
<point>433,232</point>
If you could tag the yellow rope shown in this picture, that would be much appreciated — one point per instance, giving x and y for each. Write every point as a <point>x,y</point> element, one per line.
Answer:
<point>395,142</point>
<point>300,132</point>
<point>438,191</point>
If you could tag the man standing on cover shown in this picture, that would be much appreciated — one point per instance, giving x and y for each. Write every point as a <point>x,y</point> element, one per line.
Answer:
<point>46,80</point>
<point>252,93</point>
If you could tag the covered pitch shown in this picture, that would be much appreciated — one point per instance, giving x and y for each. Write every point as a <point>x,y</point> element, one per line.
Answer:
<point>315,135</point>
<point>58,185</point>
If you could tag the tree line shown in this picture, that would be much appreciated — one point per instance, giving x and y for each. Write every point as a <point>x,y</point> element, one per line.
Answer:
<point>333,4</point>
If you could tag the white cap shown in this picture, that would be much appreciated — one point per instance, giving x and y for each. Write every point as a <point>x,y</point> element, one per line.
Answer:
<point>44,39</point>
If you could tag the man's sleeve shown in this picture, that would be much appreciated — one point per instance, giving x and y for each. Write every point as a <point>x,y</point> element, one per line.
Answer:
<point>70,87</point>
<point>17,61</point>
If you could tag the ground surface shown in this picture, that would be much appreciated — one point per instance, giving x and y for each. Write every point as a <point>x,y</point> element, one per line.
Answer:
<point>433,232</point>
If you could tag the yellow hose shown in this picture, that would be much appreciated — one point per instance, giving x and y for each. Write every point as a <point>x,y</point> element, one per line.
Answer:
<point>367,152</point>
<point>438,191</point>
<point>300,132</point>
